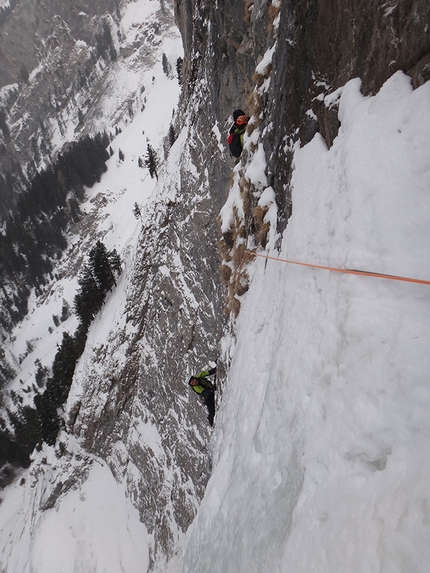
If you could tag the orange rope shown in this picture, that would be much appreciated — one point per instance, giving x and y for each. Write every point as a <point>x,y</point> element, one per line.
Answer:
<point>345,271</point>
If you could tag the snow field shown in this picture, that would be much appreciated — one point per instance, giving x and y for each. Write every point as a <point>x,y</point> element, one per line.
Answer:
<point>93,528</point>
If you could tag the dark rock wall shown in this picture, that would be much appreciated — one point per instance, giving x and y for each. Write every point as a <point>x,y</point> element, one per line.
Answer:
<point>218,51</point>
<point>321,44</point>
<point>332,42</point>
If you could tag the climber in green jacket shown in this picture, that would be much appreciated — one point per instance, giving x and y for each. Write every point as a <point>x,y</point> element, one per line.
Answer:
<point>204,388</point>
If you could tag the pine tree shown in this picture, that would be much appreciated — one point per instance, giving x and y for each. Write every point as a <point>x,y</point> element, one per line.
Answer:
<point>172,135</point>
<point>98,277</point>
<point>27,427</point>
<point>167,69</point>
<point>89,299</point>
<point>47,418</point>
<point>65,311</point>
<point>137,212</point>
<point>63,369</point>
<point>41,374</point>
<point>179,70</point>
<point>80,337</point>
<point>151,161</point>
<point>101,268</point>
<point>6,370</point>
<point>10,450</point>
<point>115,262</point>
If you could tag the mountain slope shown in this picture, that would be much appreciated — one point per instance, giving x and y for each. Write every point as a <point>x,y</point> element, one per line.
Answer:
<point>129,409</point>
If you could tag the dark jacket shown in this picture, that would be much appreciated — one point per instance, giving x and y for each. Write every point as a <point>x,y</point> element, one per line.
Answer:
<point>235,139</point>
<point>206,390</point>
<point>236,133</point>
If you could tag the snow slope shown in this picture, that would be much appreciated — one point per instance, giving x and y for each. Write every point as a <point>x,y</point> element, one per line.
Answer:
<point>94,527</point>
<point>320,445</point>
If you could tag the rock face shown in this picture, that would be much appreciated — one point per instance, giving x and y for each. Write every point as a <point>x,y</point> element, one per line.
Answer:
<point>133,386</point>
<point>320,45</point>
<point>53,56</point>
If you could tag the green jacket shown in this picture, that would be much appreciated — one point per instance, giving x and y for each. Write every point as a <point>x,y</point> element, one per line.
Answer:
<point>204,383</point>
<point>240,131</point>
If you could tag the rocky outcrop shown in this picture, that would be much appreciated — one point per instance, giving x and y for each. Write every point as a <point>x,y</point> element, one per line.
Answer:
<point>133,407</point>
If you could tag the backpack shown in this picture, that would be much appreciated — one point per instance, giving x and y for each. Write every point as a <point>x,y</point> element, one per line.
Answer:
<point>234,141</point>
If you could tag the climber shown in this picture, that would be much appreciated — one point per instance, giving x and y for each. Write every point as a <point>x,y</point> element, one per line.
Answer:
<point>204,388</point>
<point>237,130</point>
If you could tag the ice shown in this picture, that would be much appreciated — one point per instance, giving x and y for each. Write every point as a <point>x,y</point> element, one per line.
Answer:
<point>320,443</point>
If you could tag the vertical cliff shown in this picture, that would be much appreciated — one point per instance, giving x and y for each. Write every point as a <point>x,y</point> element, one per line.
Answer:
<point>279,60</point>
<point>317,47</point>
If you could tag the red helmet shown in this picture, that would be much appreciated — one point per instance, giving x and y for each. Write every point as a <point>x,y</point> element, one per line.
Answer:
<point>242,120</point>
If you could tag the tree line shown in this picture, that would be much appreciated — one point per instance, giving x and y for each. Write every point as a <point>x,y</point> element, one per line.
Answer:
<point>34,235</point>
<point>41,423</point>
